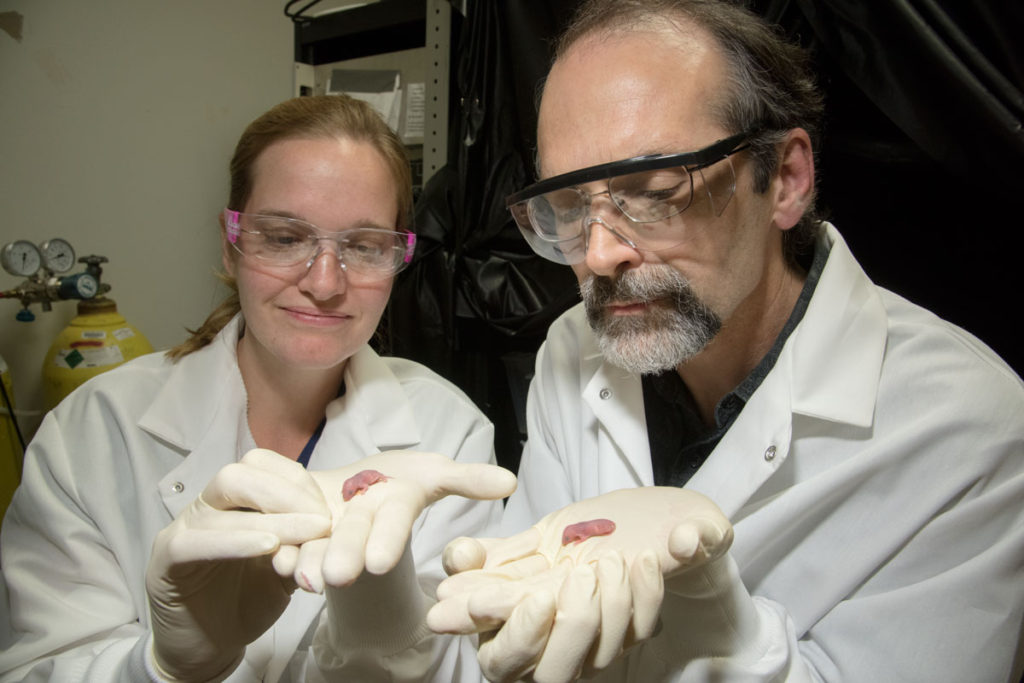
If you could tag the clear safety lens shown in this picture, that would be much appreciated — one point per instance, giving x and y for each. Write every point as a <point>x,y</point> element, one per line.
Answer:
<point>556,224</point>
<point>652,195</point>
<point>281,241</point>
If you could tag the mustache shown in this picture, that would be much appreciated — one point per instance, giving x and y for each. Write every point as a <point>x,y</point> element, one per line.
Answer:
<point>654,282</point>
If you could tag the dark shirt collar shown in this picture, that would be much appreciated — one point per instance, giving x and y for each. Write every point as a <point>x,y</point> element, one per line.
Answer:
<point>679,440</point>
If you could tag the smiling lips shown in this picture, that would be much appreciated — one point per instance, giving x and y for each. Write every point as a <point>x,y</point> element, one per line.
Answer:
<point>316,316</point>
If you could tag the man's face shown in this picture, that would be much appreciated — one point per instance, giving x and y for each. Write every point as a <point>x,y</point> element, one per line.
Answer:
<point>651,92</point>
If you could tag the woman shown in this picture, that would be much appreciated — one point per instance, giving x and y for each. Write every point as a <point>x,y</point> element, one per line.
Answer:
<point>115,566</point>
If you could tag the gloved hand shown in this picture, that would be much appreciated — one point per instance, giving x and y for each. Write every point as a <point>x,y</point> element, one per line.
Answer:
<point>386,493</point>
<point>210,581</point>
<point>374,624</point>
<point>565,603</point>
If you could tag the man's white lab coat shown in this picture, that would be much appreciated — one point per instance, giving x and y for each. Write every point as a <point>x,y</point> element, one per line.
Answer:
<point>875,481</point>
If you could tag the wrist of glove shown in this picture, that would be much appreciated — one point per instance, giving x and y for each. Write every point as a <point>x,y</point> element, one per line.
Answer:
<point>708,612</point>
<point>157,673</point>
<point>375,617</point>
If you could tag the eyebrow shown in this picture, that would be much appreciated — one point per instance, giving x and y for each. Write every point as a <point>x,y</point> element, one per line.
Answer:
<point>295,217</point>
<point>278,214</point>
<point>698,158</point>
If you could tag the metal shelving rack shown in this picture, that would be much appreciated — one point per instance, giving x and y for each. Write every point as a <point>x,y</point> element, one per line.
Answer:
<point>390,26</point>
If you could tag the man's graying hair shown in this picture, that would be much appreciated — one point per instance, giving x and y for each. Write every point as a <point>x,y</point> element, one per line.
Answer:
<point>771,87</point>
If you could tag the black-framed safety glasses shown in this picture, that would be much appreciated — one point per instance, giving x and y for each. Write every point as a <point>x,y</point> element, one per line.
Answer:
<point>553,214</point>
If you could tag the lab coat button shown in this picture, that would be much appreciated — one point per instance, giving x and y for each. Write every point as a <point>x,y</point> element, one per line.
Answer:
<point>177,487</point>
<point>769,454</point>
<point>605,394</point>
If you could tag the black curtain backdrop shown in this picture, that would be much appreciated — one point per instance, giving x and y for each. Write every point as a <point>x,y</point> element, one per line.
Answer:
<point>921,168</point>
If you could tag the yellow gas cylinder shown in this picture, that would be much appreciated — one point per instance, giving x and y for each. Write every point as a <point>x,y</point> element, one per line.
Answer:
<point>96,340</point>
<point>10,447</point>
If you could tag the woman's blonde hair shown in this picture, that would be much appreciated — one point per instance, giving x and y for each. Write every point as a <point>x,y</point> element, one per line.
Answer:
<point>320,117</point>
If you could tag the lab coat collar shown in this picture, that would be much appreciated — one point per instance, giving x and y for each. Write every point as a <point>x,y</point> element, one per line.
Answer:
<point>186,407</point>
<point>835,354</point>
<point>203,394</point>
<point>829,369</point>
<point>183,415</point>
<point>375,402</point>
<point>615,396</point>
<point>372,415</point>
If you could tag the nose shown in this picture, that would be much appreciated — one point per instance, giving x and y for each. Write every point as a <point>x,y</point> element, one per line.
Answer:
<point>608,250</point>
<point>325,277</point>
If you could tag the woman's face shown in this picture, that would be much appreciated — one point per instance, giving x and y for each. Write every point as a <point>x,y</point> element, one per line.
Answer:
<point>316,317</point>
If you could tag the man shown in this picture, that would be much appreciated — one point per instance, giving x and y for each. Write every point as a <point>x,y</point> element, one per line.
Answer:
<point>868,456</point>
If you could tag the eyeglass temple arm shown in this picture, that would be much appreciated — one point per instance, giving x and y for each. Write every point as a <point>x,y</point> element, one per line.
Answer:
<point>410,247</point>
<point>231,225</point>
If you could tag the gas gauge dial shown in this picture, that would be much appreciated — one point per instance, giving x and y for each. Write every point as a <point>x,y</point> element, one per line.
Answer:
<point>58,255</point>
<point>21,258</point>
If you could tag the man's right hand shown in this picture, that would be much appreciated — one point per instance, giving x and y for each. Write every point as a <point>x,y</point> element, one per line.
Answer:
<point>570,595</point>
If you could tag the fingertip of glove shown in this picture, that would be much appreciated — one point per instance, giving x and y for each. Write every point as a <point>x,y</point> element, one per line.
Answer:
<point>338,576</point>
<point>265,543</point>
<point>437,620</point>
<point>309,584</point>
<point>378,565</point>
<point>462,554</point>
<point>507,479</point>
<point>490,482</point>
<point>684,541</point>
<point>450,616</point>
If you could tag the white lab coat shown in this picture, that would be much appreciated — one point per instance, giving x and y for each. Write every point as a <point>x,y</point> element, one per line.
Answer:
<point>875,481</point>
<point>126,452</point>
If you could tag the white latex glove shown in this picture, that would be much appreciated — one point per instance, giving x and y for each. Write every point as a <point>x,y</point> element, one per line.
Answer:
<point>371,528</point>
<point>374,625</point>
<point>210,581</point>
<point>375,629</point>
<point>568,607</point>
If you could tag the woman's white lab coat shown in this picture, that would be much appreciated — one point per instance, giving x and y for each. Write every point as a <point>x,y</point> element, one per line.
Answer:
<point>875,481</point>
<point>126,452</point>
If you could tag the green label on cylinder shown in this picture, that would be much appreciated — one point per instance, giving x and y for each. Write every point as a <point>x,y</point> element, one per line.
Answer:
<point>73,358</point>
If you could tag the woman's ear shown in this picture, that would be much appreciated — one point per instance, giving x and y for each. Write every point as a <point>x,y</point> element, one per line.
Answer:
<point>794,181</point>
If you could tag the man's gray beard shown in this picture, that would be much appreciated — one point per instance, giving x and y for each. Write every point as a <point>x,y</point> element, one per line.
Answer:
<point>662,337</point>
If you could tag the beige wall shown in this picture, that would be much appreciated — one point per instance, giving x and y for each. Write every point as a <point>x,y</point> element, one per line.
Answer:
<point>117,120</point>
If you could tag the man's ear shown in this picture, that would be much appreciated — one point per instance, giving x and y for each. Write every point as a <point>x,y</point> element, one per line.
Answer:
<point>227,252</point>
<point>794,181</point>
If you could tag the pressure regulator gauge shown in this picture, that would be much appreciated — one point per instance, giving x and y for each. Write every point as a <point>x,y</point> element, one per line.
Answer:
<point>58,256</point>
<point>21,258</point>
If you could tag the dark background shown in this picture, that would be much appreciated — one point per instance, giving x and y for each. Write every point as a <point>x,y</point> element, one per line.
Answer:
<point>921,169</point>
